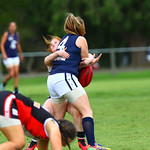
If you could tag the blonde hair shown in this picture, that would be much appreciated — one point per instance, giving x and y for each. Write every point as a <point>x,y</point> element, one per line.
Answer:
<point>74,25</point>
<point>49,40</point>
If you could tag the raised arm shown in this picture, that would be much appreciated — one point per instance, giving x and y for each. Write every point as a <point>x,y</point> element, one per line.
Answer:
<point>48,61</point>
<point>3,41</point>
<point>20,49</point>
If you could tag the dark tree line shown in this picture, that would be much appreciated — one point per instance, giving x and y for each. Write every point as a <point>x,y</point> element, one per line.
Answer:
<point>109,23</point>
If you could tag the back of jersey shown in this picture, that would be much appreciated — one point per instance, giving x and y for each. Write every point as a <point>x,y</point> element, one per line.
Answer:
<point>70,65</point>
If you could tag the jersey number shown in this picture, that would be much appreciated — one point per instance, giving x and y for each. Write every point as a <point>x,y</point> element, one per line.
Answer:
<point>61,45</point>
<point>13,44</point>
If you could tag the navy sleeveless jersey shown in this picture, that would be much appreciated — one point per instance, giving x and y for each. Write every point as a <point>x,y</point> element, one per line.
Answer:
<point>11,45</point>
<point>70,65</point>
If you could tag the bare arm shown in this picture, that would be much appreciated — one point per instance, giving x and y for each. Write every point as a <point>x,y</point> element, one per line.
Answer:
<point>82,44</point>
<point>48,61</point>
<point>54,135</point>
<point>87,58</point>
<point>3,41</point>
<point>20,49</point>
<point>91,60</point>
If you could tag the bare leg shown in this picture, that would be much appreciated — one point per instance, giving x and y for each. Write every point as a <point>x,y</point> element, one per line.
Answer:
<point>83,106</point>
<point>10,74</point>
<point>59,110</point>
<point>15,136</point>
<point>77,118</point>
<point>16,75</point>
<point>49,106</point>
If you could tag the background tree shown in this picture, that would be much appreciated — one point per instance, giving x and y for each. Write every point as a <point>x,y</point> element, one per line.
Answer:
<point>109,23</point>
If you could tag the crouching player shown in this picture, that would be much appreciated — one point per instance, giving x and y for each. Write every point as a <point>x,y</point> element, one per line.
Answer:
<point>19,113</point>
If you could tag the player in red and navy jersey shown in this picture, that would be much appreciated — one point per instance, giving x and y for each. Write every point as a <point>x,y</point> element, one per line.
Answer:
<point>18,113</point>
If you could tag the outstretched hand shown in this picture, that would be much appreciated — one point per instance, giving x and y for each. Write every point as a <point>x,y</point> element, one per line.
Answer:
<point>91,60</point>
<point>63,53</point>
<point>95,60</point>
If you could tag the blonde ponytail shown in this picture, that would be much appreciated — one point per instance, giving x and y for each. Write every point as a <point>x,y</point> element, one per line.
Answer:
<point>74,25</point>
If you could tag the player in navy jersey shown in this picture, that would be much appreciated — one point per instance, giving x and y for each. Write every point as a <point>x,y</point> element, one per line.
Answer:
<point>63,79</point>
<point>18,113</point>
<point>10,46</point>
<point>52,44</point>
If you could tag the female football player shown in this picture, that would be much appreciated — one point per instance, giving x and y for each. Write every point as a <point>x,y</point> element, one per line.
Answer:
<point>18,113</point>
<point>62,81</point>
<point>10,46</point>
<point>52,44</point>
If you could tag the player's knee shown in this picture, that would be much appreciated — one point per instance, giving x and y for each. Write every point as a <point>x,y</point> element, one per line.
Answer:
<point>19,144</point>
<point>16,145</point>
<point>15,75</point>
<point>12,74</point>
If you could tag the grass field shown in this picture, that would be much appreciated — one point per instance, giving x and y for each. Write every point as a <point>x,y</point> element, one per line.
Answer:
<point>121,107</point>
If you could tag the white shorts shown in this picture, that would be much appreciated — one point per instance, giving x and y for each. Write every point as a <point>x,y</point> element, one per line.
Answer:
<point>6,122</point>
<point>61,84</point>
<point>10,62</point>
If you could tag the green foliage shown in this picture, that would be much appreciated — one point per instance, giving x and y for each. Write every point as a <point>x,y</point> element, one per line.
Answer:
<point>109,23</point>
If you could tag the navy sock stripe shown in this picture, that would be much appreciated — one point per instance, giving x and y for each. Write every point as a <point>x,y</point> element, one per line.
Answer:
<point>67,81</point>
<point>73,81</point>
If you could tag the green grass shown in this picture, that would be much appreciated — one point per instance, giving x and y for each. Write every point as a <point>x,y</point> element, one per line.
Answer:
<point>121,107</point>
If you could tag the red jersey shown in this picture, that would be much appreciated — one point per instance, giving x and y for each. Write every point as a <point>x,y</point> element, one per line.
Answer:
<point>33,117</point>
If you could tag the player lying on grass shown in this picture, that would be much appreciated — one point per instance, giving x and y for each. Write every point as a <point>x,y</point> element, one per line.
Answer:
<point>18,113</point>
<point>63,79</point>
<point>52,44</point>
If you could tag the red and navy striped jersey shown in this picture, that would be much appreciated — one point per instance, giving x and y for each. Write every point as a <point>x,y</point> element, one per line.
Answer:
<point>32,116</point>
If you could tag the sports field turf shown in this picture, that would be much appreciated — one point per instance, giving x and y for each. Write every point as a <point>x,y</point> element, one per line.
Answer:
<point>121,107</point>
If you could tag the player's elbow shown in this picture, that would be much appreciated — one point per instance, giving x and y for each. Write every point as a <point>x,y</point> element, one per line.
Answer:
<point>46,61</point>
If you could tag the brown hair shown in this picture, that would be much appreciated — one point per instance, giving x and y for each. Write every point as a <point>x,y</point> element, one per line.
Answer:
<point>68,131</point>
<point>74,25</point>
<point>48,41</point>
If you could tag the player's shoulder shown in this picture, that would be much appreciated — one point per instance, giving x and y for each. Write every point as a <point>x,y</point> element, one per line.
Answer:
<point>26,100</point>
<point>80,41</point>
<point>5,92</point>
<point>81,38</point>
<point>6,33</point>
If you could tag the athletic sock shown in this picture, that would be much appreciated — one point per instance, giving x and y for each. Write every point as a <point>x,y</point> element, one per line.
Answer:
<point>88,126</point>
<point>33,142</point>
<point>81,138</point>
<point>4,84</point>
<point>16,90</point>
